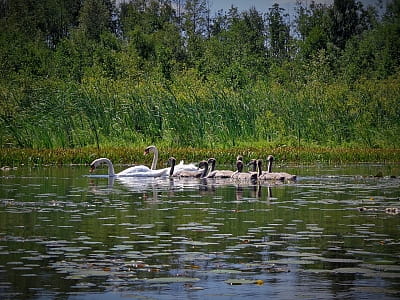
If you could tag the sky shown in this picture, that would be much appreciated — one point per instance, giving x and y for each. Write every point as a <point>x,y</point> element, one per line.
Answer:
<point>264,5</point>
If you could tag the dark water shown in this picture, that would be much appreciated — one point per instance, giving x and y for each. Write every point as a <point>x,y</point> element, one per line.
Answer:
<point>334,234</point>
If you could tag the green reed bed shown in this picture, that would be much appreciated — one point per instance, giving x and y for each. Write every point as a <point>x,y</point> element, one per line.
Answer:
<point>189,112</point>
<point>134,155</point>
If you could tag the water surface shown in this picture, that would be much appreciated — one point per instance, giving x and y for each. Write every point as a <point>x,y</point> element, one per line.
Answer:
<point>333,234</point>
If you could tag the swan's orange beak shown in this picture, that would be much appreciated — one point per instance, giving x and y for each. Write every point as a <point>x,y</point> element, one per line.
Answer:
<point>146,152</point>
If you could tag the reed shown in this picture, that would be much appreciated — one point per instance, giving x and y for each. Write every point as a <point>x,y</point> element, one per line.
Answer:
<point>189,112</point>
<point>134,155</point>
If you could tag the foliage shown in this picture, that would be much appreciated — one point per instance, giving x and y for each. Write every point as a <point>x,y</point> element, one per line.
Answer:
<point>88,74</point>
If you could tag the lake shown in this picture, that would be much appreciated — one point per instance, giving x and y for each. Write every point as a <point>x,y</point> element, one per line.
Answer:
<point>333,234</point>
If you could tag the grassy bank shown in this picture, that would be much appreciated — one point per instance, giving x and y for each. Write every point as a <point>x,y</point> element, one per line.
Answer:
<point>122,155</point>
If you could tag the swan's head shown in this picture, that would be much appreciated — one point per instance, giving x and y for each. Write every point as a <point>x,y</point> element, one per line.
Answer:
<point>239,157</point>
<point>239,165</point>
<point>212,161</point>
<point>270,158</point>
<point>259,162</point>
<point>149,149</point>
<point>203,164</point>
<point>171,161</point>
<point>95,163</point>
<point>252,162</point>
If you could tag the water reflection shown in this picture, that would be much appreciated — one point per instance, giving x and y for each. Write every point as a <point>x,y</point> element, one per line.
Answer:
<point>65,235</point>
<point>205,186</point>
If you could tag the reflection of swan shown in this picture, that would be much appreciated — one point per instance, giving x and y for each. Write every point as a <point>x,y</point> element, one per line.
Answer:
<point>130,172</point>
<point>269,175</point>
<point>144,184</point>
<point>240,175</point>
<point>217,173</point>
<point>180,166</point>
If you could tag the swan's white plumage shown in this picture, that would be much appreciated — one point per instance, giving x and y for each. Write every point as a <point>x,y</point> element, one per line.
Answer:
<point>178,167</point>
<point>137,171</point>
<point>185,167</point>
<point>149,173</point>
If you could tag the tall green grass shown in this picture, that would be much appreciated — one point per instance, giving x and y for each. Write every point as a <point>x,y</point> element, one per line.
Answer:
<point>189,112</point>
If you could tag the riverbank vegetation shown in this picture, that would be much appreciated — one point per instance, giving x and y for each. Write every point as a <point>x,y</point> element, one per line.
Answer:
<point>134,155</point>
<point>176,74</point>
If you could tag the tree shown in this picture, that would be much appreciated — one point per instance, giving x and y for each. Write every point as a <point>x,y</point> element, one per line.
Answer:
<point>49,20</point>
<point>95,17</point>
<point>195,28</point>
<point>375,53</point>
<point>278,33</point>
<point>236,50</point>
<point>313,25</point>
<point>348,19</point>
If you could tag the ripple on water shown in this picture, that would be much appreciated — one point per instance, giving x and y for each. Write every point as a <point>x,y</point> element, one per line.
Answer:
<point>100,238</point>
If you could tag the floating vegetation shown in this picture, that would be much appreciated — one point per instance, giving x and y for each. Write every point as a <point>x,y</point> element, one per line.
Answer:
<point>226,271</point>
<point>244,281</point>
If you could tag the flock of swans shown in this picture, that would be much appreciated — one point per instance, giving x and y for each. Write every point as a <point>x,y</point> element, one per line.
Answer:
<point>205,169</point>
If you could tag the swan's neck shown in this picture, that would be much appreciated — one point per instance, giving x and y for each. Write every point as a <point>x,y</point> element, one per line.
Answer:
<point>155,159</point>
<point>239,166</point>
<point>212,168</point>
<point>205,170</point>
<point>171,170</point>
<point>269,166</point>
<point>111,172</point>
<point>259,167</point>
<point>255,166</point>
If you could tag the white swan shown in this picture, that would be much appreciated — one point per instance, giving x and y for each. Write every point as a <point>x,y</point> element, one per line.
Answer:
<point>142,168</point>
<point>185,167</point>
<point>196,173</point>
<point>177,167</point>
<point>127,173</point>
<point>135,169</point>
